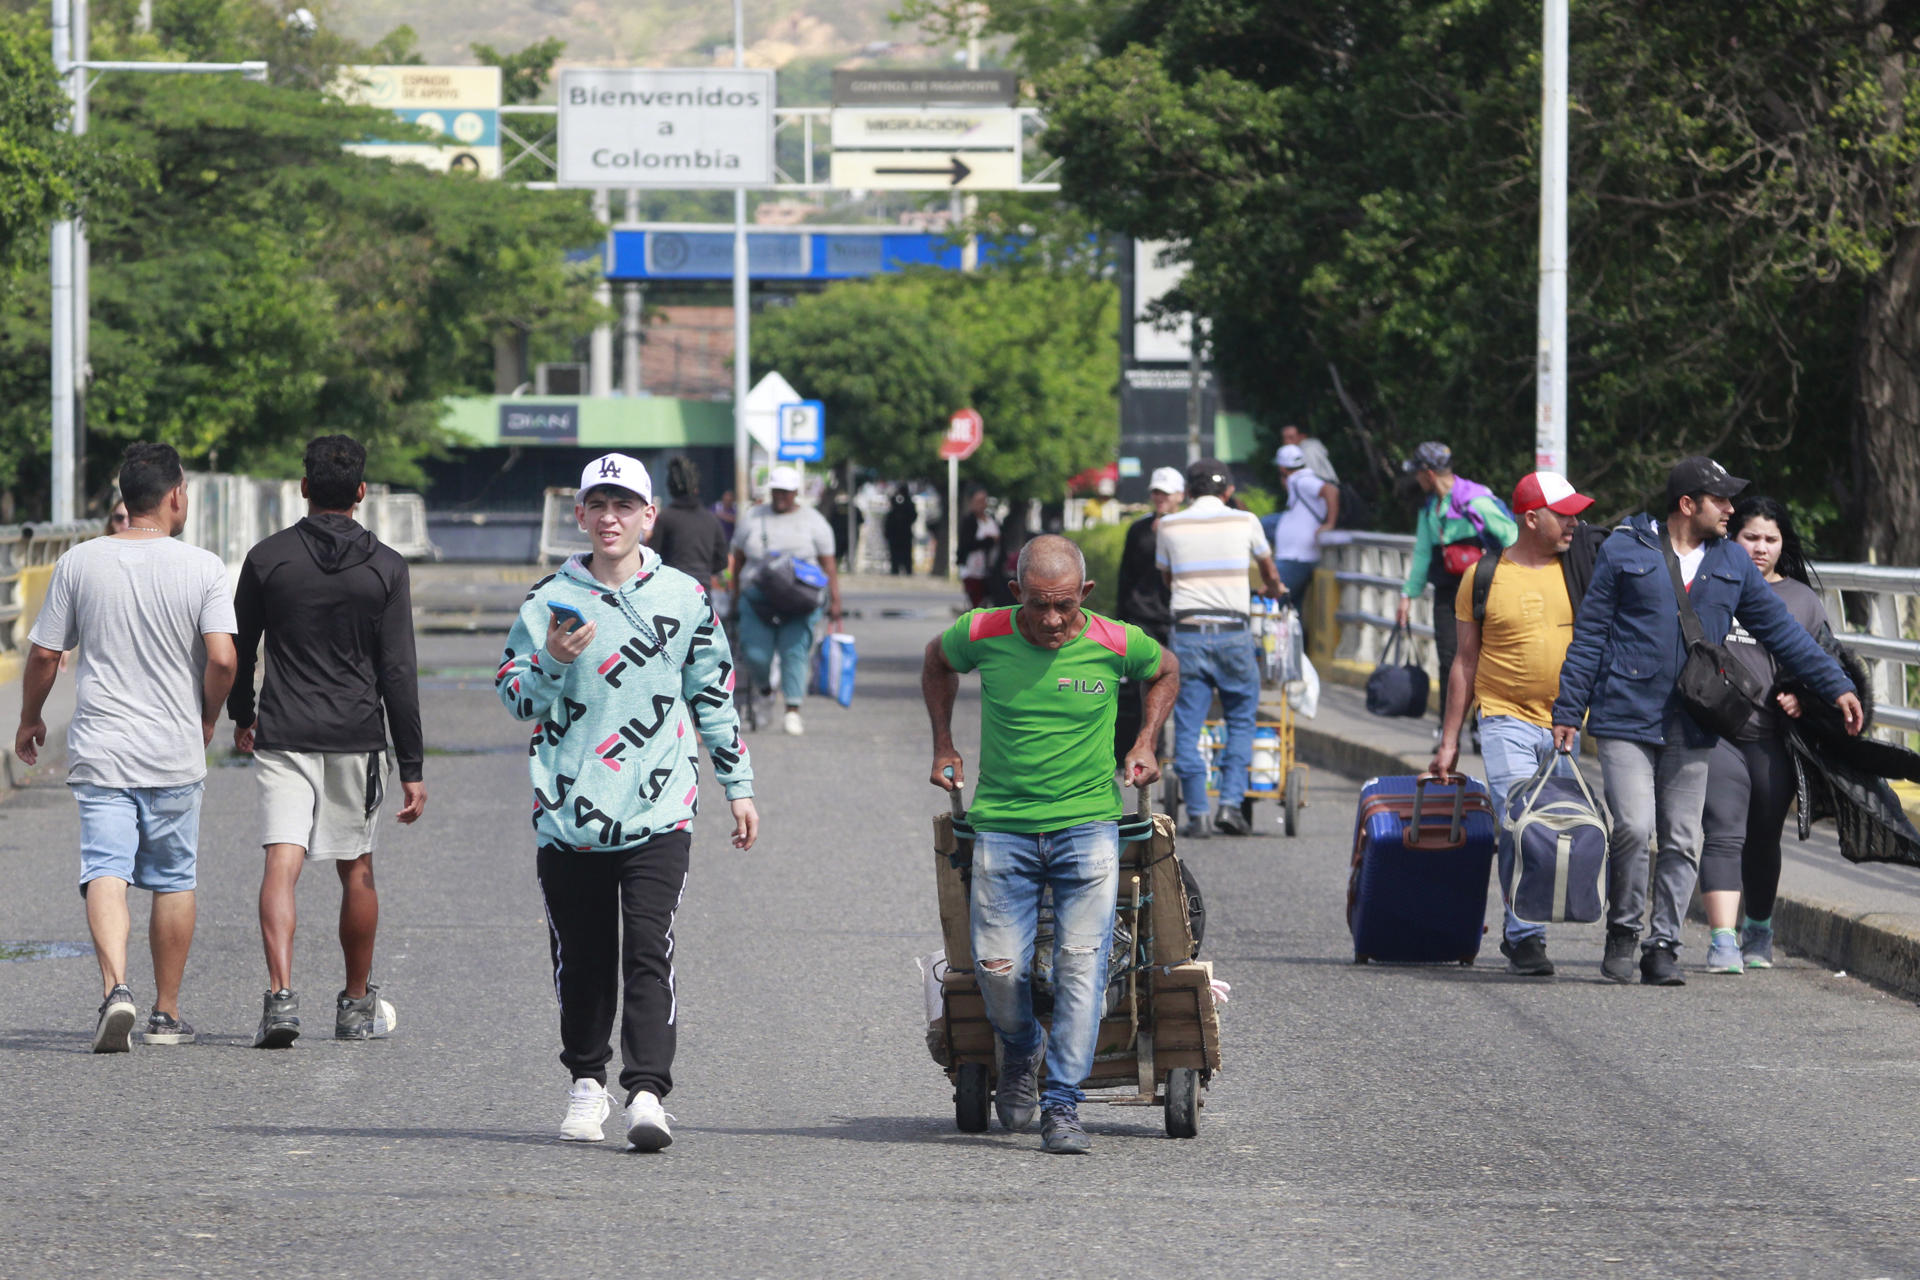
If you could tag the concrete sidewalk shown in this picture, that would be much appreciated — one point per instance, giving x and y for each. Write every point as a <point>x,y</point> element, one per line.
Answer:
<point>1861,918</point>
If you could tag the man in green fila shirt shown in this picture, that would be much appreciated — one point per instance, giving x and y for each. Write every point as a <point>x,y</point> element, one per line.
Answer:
<point>1046,813</point>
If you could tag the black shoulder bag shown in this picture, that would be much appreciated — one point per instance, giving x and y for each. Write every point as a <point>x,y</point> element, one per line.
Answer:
<point>1718,692</point>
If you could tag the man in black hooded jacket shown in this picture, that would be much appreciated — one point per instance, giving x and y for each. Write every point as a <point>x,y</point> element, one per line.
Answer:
<point>336,609</point>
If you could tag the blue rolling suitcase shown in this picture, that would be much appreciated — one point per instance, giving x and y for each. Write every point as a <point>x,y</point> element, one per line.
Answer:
<point>1422,858</point>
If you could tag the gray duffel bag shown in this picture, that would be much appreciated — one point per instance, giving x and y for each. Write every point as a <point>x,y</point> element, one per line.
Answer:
<point>1559,829</point>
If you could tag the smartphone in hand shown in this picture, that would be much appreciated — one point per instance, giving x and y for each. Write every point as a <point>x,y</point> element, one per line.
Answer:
<point>569,618</point>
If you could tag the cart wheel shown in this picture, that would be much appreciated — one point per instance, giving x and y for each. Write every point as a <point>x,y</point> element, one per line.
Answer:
<point>971,1093</point>
<point>1296,788</point>
<point>1466,962</point>
<point>1361,957</point>
<point>1170,792</point>
<point>1183,1102</point>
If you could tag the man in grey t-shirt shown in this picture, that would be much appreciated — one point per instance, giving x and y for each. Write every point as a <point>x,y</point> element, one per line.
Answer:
<point>780,528</point>
<point>154,625</point>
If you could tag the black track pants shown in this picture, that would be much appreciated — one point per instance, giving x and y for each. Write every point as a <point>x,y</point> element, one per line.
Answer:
<point>592,899</point>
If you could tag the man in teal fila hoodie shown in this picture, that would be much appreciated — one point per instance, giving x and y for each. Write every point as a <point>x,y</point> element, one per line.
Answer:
<point>621,666</point>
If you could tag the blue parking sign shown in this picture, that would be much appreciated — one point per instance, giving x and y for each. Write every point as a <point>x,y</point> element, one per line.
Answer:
<point>803,431</point>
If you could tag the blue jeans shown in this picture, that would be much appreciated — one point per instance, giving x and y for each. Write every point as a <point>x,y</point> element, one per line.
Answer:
<point>1511,749</point>
<point>792,640</point>
<point>1296,576</point>
<point>1082,864</point>
<point>1211,661</point>
<point>147,836</point>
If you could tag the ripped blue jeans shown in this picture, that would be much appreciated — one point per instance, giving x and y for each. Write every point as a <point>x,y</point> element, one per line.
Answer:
<point>1082,864</point>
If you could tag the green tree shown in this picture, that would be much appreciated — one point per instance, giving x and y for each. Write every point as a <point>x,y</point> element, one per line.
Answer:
<point>273,286</point>
<point>523,75</point>
<point>1033,351</point>
<point>1354,189</point>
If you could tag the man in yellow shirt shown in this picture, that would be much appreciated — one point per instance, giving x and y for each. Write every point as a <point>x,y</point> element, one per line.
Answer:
<point>1509,660</point>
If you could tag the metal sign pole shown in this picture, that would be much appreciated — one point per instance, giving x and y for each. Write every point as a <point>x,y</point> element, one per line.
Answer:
<point>61,263</point>
<point>741,335</point>
<point>953,519</point>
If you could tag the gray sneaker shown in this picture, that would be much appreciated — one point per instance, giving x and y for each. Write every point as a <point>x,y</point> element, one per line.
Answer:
<point>1756,946</point>
<point>368,1018</point>
<point>113,1033</point>
<point>279,1020</point>
<point>1016,1099</point>
<point>1723,954</point>
<point>1061,1134</point>
<point>164,1028</point>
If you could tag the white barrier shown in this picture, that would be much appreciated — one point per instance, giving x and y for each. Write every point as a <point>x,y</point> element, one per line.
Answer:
<point>1885,600</point>
<point>228,514</point>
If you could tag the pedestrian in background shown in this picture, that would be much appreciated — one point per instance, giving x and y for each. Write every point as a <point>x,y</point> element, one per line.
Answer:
<point>1459,520</point>
<point>782,528</point>
<point>1315,453</point>
<point>1312,508</point>
<point>979,547</point>
<point>688,536</point>
<point>1206,553</point>
<point>725,510</point>
<point>1509,662</point>
<point>1142,595</point>
<point>899,530</point>
<point>117,517</point>
<point>1750,777</point>
<point>1621,678</point>
<point>154,625</point>
<point>620,665</point>
<point>335,607</point>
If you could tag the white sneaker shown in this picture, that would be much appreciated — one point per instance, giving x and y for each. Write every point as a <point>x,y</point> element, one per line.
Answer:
<point>792,724</point>
<point>587,1109</point>
<point>647,1123</point>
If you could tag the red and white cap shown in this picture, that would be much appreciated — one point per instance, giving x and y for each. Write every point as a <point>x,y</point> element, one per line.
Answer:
<point>1548,489</point>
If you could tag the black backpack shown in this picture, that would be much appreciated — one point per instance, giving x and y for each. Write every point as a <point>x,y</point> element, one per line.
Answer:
<point>1576,565</point>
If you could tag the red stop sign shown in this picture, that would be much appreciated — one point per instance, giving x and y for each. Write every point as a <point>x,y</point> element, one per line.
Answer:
<point>965,431</point>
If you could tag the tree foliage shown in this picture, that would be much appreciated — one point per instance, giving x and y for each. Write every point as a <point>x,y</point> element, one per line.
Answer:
<point>272,286</point>
<point>1034,351</point>
<point>1355,189</point>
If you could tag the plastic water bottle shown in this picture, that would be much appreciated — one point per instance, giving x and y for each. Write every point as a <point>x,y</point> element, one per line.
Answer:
<point>1264,775</point>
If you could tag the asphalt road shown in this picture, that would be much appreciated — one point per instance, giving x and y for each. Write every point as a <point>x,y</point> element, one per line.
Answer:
<point>1383,1121</point>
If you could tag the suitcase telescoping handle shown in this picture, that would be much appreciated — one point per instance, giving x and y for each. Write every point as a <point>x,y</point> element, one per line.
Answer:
<point>1456,830</point>
<point>958,800</point>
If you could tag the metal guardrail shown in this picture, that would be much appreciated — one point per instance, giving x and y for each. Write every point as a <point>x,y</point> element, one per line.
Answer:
<point>31,546</point>
<point>228,514</point>
<point>1884,599</point>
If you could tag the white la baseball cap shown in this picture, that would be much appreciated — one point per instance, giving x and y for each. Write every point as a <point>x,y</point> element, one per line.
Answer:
<point>1168,480</point>
<point>787,478</point>
<point>620,471</point>
<point>1290,456</point>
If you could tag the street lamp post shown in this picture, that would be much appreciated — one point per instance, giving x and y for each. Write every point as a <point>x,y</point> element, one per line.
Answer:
<point>1550,389</point>
<point>67,251</point>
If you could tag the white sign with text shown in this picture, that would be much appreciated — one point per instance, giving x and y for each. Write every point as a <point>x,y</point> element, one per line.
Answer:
<point>639,127</point>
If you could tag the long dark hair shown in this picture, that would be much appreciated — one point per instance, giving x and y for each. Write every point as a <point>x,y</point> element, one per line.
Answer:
<point>1793,562</point>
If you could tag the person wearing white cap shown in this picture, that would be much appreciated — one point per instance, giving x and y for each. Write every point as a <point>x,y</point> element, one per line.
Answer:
<point>1143,597</point>
<point>783,561</point>
<point>619,662</point>
<point>1313,505</point>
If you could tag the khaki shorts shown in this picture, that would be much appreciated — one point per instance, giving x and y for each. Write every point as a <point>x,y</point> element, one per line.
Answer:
<point>327,802</point>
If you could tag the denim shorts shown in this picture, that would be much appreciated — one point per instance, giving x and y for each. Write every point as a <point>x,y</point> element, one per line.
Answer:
<point>146,836</point>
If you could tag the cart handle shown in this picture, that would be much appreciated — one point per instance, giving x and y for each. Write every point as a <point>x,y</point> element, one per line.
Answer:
<point>958,800</point>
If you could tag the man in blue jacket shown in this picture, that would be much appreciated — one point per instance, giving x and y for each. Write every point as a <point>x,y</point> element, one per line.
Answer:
<point>1620,675</point>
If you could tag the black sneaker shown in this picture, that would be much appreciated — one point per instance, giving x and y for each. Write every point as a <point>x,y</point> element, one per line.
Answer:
<point>1527,957</point>
<point>1618,965</point>
<point>368,1018</point>
<point>279,1020</point>
<point>1061,1134</point>
<point>1232,821</point>
<point>113,1033</point>
<point>164,1028</point>
<point>1660,967</point>
<point>1196,828</point>
<point>1016,1099</point>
